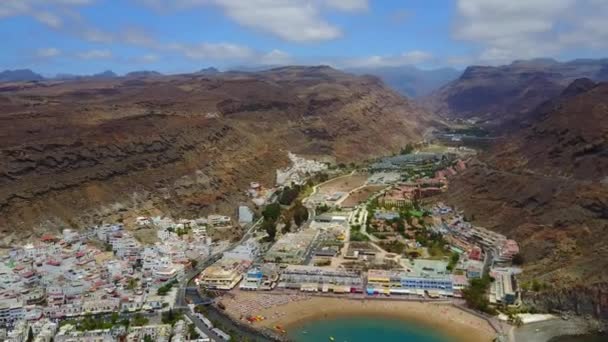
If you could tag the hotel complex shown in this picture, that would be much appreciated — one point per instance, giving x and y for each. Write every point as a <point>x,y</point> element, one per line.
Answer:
<point>427,277</point>
<point>319,279</point>
<point>223,275</point>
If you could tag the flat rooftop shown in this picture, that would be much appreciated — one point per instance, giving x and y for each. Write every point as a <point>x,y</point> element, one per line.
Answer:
<point>427,268</point>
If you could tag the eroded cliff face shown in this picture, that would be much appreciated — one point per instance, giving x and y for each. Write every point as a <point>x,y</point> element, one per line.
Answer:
<point>508,94</point>
<point>545,187</point>
<point>588,299</point>
<point>79,152</point>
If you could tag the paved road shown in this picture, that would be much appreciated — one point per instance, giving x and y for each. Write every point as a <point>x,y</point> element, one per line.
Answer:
<point>180,299</point>
<point>201,326</point>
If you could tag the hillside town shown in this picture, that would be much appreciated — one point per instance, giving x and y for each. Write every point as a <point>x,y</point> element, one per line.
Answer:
<point>374,232</point>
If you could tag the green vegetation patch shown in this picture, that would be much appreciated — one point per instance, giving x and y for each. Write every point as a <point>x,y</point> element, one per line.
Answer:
<point>356,235</point>
<point>163,290</point>
<point>394,246</point>
<point>476,295</point>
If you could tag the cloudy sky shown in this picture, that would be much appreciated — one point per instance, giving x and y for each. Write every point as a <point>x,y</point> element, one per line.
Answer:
<point>88,36</point>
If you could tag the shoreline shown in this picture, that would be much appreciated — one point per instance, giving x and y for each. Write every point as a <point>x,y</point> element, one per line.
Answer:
<point>558,330</point>
<point>450,321</point>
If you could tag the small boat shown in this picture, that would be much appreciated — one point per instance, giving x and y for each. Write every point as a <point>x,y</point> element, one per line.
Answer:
<point>331,338</point>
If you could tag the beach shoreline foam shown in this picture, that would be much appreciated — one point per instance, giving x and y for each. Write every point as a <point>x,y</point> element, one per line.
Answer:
<point>444,317</point>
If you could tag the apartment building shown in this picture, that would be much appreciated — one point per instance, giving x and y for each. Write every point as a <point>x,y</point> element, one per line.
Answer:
<point>320,279</point>
<point>223,275</point>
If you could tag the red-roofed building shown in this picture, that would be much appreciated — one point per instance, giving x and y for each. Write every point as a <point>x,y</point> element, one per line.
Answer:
<point>507,250</point>
<point>53,262</point>
<point>48,238</point>
<point>440,175</point>
<point>28,274</point>
<point>475,254</point>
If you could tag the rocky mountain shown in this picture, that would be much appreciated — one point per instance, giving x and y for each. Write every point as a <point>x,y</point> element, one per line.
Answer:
<point>66,76</point>
<point>547,187</point>
<point>496,95</point>
<point>20,75</point>
<point>209,71</point>
<point>78,152</point>
<point>409,80</point>
<point>143,73</point>
<point>104,74</point>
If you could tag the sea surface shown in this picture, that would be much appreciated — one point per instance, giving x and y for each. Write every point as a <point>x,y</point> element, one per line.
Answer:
<point>364,329</point>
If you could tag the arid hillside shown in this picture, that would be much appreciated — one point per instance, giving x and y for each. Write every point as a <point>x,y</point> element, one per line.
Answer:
<point>77,152</point>
<point>494,96</point>
<point>547,187</point>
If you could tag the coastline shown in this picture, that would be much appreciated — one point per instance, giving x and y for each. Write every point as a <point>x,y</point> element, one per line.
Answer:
<point>443,317</point>
<point>558,330</point>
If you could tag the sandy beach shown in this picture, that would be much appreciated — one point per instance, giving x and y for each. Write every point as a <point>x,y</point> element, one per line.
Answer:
<point>290,310</point>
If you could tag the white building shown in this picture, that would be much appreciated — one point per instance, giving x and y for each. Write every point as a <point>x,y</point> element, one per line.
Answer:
<point>245,215</point>
<point>219,221</point>
<point>11,310</point>
<point>248,250</point>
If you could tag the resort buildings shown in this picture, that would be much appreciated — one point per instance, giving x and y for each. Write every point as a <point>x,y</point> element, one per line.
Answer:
<point>320,279</point>
<point>261,277</point>
<point>291,248</point>
<point>225,274</point>
<point>426,277</point>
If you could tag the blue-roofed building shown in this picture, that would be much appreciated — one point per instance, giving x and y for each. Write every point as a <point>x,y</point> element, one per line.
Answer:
<point>262,277</point>
<point>426,277</point>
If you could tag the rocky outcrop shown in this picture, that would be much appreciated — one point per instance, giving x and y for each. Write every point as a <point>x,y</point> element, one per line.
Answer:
<point>588,299</point>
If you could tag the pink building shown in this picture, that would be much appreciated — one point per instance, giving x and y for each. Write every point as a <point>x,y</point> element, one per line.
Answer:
<point>508,249</point>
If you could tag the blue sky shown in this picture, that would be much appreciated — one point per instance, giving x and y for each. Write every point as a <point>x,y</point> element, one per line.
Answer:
<point>88,36</point>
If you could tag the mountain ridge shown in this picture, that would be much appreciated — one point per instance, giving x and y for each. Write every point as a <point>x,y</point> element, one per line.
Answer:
<point>545,186</point>
<point>495,95</point>
<point>409,80</point>
<point>89,150</point>
<point>19,75</point>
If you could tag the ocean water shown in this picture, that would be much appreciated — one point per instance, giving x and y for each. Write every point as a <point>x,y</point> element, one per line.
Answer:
<point>365,329</point>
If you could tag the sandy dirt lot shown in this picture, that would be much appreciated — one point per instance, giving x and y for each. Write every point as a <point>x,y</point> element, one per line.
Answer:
<point>361,195</point>
<point>343,184</point>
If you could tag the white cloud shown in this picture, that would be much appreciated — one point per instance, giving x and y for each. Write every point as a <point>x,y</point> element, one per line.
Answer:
<point>298,21</point>
<point>49,19</point>
<point>94,35</point>
<point>149,58</point>
<point>95,54</point>
<point>214,51</point>
<point>72,2</point>
<point>291,20</point>
<point>137,37</point>
<point>11,8</point>
<point>275,57</point>
<point>347,5</point>
<point>508,30</point>
<point>48,52</point>
<point>414,57</point>
<point>44,11</point>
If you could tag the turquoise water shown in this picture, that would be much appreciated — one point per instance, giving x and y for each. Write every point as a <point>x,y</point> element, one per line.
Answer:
<point>361,329</point>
